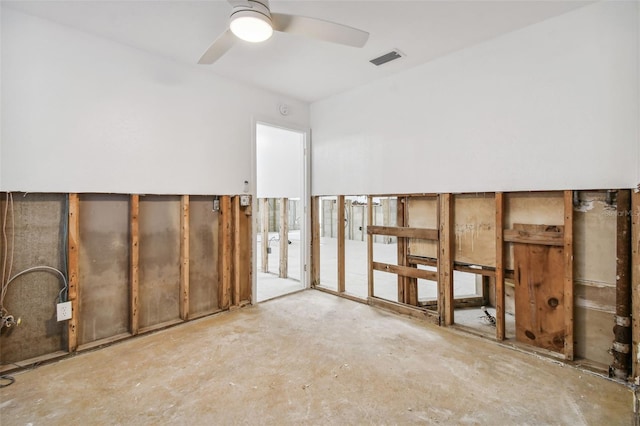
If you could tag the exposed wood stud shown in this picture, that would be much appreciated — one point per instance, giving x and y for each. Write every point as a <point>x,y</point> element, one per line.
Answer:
<point>73,250</point>
<point>445,264</point>
<point>369,247</point>
<point>402,244</point>
<point>635,283</point>
<point>341,244</point>
<point>568,274</point>
<point>283,270</point>
<point>622,329</point>
<point>237,258</point>
<point>499,274</point>
<point>315,241</point>
<point>264,219</point>
<point>134,266</point>
<point>184,259</point>
<point>225,252</point>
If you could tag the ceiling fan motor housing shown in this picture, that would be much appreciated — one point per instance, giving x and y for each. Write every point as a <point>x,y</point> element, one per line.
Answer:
<point>251,20</point>
<point>253,8</point>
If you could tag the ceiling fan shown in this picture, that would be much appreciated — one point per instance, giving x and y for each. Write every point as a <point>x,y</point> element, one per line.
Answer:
<point>251,20</point>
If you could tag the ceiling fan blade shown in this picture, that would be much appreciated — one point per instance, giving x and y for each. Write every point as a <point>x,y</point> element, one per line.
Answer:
<point>218,48</point>
<point>319,29</point>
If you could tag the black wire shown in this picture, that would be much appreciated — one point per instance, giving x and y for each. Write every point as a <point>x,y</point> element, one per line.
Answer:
<point>9,378</point>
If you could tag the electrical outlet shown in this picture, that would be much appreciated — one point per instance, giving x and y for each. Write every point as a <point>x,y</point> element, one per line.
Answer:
<point>245,200</point>
<point>64,311</point>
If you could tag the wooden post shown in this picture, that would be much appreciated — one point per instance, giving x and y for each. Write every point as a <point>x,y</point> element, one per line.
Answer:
<point>283,271</point>
<point>568,275</point>
<point>315,241</point>
<point>341,236</point>
<point>264,219</point>
<point>402,248</point>
<point>184,259</point>
<point>499,279</point>
<point>622,329</point>
<point>445,263</point>
<point>73,272</point>
<point>370,247</point>
<point>635,284</point>
<point>225,252</point>
<point>235,293</point>
<point>134,266</point>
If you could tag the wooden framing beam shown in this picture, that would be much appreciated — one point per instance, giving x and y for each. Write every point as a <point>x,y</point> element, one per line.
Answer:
<point>184,258</point>
<point>484,271</point>
<point>568,275</point>
<point>225,253</point>
<point>406,271</point>
<point>499,278</point>
<point>369,247</point>
<point>341,242</point>
<point>404,232</point>
<point>73,250</point>
<point>404,309</point>
<point>315,241</point>
<point>445,259</point>
<point>635,286</point>
<point>264,219</point>
<point>235,291</point>
<point>547,238</point>
<point>134,264</point>
<point>478,271</point>
<point>283,270</point>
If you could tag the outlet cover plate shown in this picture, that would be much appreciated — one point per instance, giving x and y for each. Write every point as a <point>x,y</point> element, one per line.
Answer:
<point>245,200</point>
<point>64,311</point>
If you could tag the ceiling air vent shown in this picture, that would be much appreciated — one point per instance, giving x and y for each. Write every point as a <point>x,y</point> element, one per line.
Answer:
<point>387,57</point>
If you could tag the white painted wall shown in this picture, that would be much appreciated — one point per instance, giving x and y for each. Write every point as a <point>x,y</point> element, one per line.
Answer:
<point>84,114</point>
<point>551,106</point>
<point>279,162</point>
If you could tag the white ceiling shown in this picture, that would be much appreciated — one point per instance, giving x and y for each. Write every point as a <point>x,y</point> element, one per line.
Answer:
<point>298,67</point>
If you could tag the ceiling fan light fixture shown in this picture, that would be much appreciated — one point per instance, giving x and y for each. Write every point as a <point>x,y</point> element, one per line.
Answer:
<point>251,26</point>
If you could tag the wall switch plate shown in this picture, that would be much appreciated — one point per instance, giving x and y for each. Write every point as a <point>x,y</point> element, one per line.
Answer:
<point>245,200</point>
<point>64,311</point>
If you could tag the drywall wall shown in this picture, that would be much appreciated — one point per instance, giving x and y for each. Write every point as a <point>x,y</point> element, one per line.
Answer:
<point>551,106</point>
<point>84,114</point>
<point>279,157</point>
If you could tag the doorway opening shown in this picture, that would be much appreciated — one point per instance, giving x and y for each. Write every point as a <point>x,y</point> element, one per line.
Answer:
<point>281,211</point>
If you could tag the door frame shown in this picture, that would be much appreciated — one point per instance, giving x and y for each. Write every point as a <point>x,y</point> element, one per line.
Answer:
<point>305,234</point>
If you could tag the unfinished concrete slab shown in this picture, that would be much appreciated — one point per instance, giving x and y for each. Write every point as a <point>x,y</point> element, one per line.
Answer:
<point>311,358</point>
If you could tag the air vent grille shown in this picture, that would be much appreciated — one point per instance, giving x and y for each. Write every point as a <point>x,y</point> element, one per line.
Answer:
<point>387,57</point>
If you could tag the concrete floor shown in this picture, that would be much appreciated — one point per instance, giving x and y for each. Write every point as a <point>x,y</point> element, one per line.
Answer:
<point>270,286</point>
<point>310,358</point>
